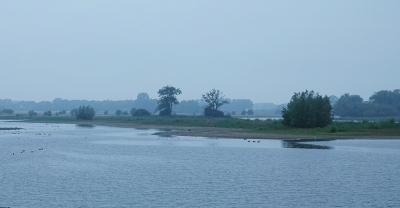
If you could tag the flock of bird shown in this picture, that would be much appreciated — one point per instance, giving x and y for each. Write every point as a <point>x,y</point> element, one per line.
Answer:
<point>258,141</point>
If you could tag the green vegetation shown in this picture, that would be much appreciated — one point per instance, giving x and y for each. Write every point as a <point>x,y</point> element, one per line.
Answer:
<point>380,104</point>
<point>85,113</point>
<point>106,112</point>
<point>47,113</point>
<point>243,112</point>
<point>62,112</point>
<point>125,113</point>
<point>307,110</point>
<point>215,100</point>
<point>7,111</point>
<point>388,127</point>
<point>73,112</point>
<point>32,113</point>
<point>141,112</point>
<point>133,110</point>
<point>118,112</point>
<point>250,112</point>
<point>167,98</point>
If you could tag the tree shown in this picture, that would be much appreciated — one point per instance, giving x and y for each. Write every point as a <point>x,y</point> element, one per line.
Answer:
<point>47,113</point>
<point>167,98</point>
<point>350,105</point>
<point>62,112</point>
<point>125,113</point>
<point>250,112</point>
<point>118,112</point>
<point>243,112</point>
<point>7,111</point>
<point>133,110</point>
<point>73,112</point>
<point>141,112</point>
<point>215,99</point>
<point>32,113</point>
<point>106,112</point>
<point>307,110</point>
<point>233,112</point>
<point>85,113</point>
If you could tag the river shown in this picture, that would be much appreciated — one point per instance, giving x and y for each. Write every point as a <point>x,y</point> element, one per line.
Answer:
<point>64,165</point>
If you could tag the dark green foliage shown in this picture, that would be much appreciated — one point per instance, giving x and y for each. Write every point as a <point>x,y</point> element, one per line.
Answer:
<point>243,112</point>
<point>106,112</point>
<point>167,98</point>
<point>63,112</point>
<point>85,113</point>
<point>141,112</point>
<point>307,110</point>
<point>381,104</point>
<point>73,112</point>
<point>250,112</point>
<point>118,112</point>
<point>7,111</point>
<point>32,113</point>
<point>133,110</point>
<point>213,112</point>
<point>233,112</point>
<point>47,113</point>
<point>215,99</point>
<point>125,113</point>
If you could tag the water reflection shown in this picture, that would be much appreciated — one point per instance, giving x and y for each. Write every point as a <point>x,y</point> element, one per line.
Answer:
<point>86,126</point>
<point>299,145</point>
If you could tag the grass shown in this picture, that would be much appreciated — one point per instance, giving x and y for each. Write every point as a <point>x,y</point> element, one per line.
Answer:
<point>387,127</point>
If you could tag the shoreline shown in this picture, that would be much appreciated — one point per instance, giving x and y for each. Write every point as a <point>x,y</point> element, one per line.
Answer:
<point>222,132</point>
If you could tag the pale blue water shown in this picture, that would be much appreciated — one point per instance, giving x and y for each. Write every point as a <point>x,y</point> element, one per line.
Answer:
<point>120,167</point>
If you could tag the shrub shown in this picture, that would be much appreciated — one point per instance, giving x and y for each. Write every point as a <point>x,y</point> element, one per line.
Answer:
<point>125,113</point>
<point>8,111</point>
<point>133,110</point>
<point>233,112</point>
<point>212,112</point>
<point>85,113</point>
<point>106,112</point>
<point>118,112</point>
<point>243,112</point>
<point>62,112</point>
<point>250,112</point>
<point>141,112</point>
<point>47,113</point>
<point>32,113</point>
<point>165,112</point>
<point>73,112</point>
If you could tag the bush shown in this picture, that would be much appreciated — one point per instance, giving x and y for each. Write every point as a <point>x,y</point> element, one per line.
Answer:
<point>250,112</point>
<point>141,112</point>
<point>233,112</point>
<point>47,113</point>
<point>118,112</point>
<point>32,113</point>
<point>8,111</point>
<point>307,110</point>
<point>73,112</point>
<point>212,112</point>
<point>125,113</point>
<point>165,112</point>
<point>133,110</point>
<point>106,112</point>
<point>85,113</point>
<point>62,112</point>
<point>243,112</point>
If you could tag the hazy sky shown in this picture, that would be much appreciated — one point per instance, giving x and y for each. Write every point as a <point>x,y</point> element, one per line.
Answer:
<point>259,50</point>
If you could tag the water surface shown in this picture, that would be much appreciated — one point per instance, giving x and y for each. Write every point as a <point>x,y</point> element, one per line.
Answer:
<point>97,166</point>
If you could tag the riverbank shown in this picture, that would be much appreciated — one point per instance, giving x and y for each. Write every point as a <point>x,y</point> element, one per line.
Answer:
<point>235,128</point>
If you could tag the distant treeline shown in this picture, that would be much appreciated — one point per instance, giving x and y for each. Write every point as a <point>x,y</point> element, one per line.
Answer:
<point>142,101</point>
<point>380,104</point>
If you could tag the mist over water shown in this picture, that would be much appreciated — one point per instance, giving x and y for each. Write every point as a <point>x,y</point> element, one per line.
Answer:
<point>97,166</point>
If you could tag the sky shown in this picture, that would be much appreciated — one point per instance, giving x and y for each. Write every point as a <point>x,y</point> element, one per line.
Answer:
<point>254,49</point>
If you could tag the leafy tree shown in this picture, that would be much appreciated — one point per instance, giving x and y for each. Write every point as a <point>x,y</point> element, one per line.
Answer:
<point>7,111</point>
<point>106,112</point>
<point>167,98</point>
<point>62,112</point>
<point>133,110</point>
<point>307,110</point>
<point>125,113</point>
<point>118,112</point>
<point>85,113</point>
<point>47,113</point>
<point>350,105</point>
<point>141,112</point>
<point>215,99</point>
<point>250,112</point>
<point>243,112</point>
<point>73,112</point>
<point>32,113</point>
<point>233,112</point>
